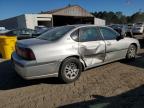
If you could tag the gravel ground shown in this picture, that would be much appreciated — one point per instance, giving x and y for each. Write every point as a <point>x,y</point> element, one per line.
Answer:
<point>116,85</point>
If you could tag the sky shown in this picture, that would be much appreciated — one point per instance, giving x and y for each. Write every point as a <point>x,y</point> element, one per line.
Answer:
<point>11,8</point>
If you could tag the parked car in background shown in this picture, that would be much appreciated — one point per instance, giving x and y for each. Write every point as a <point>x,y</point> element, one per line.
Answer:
<point>39,32</point>
<point>119,28</point>
<point>66,51</point>
<point>122,30</point>
<point>130,26</point>
<point>2,28</point>
<point>138,28</point>
<point>41,28</point>
<point>2,32</point>
<point>129,29</point>
<point>20,33</point>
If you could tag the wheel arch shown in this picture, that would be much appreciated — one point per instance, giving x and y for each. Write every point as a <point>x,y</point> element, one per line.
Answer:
<point>135,45</point>
<point>129,46</point>
<point>74,56</point>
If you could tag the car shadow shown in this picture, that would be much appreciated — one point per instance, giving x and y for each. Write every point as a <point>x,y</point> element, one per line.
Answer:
<point>138,62</point>
<point>9,79</point>
<point>141,41</point>
<point>130,99</point>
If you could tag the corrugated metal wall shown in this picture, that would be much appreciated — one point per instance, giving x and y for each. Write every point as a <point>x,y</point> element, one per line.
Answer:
<point>72,11</point>
<point>99,22</point>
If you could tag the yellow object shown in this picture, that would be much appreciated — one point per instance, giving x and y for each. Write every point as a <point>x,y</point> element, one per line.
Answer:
<point>7,46</point>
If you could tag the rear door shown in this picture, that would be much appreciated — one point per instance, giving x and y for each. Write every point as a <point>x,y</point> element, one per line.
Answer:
<point>115,49</point>
<point>91,46</point>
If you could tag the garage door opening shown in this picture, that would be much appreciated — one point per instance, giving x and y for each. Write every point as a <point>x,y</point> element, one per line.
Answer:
<point>69,20</point>
<point>45,23</point>
<point>0,55</point>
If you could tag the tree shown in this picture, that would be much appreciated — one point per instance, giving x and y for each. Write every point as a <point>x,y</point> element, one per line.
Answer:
<point>111,17</point>
<point>119,18</point>
<point>137,17</point>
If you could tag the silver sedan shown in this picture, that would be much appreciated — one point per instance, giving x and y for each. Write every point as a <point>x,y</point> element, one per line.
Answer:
<point>66,51</point>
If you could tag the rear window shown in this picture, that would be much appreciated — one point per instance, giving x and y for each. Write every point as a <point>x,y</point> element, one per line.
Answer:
<point>56,33</point>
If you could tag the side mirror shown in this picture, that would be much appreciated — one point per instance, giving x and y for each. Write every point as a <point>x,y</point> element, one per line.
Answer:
<point>119,37</point>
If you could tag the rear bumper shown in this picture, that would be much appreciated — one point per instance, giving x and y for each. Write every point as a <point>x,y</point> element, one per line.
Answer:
<point>34,70</point>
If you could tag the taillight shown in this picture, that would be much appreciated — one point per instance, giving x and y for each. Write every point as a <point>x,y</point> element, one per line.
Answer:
<point>25,53</point>
<point>28,54</point>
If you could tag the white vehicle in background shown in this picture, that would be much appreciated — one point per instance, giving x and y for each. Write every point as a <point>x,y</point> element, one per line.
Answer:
<point>138,28</point>
<point>2,28</point>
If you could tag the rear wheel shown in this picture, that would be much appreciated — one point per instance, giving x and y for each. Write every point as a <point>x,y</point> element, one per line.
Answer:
<point>70,70</point>
<point>131,53</point>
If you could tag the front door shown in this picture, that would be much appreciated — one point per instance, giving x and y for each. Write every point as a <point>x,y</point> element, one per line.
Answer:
<point>115,49</point>
<point>91,46</point>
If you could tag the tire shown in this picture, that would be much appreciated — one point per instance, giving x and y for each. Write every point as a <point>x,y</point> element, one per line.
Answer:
<point>131,53</point>
<point>70,70</point>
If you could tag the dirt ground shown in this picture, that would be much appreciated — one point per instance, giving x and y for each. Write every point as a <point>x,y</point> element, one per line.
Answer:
<point>116,85</point>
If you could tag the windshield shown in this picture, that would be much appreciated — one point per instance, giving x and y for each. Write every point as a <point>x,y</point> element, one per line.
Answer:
<point>56,33</point>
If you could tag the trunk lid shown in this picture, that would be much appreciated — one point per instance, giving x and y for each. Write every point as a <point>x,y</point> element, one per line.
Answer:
<point>31,42</point>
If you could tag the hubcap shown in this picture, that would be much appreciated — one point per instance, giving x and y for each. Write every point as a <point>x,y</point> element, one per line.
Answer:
<point>71,71</point>
<point>132,52</point>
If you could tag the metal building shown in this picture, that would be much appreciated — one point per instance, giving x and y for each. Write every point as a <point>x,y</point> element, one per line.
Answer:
<point>68,15</point>
<point>73,15</point>
<point>27,21</point>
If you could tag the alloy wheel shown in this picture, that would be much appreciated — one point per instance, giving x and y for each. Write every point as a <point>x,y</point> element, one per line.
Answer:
<point>71,71</point>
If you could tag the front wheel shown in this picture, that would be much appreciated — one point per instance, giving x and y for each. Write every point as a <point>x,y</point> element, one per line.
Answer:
<point>70,70</point>
<point>131,53</point>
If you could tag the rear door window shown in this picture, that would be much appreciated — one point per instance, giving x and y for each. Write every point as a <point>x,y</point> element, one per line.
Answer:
<point>87,34</point>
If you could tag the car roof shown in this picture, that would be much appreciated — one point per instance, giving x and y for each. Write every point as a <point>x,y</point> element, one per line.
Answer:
<point>84,25</point>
